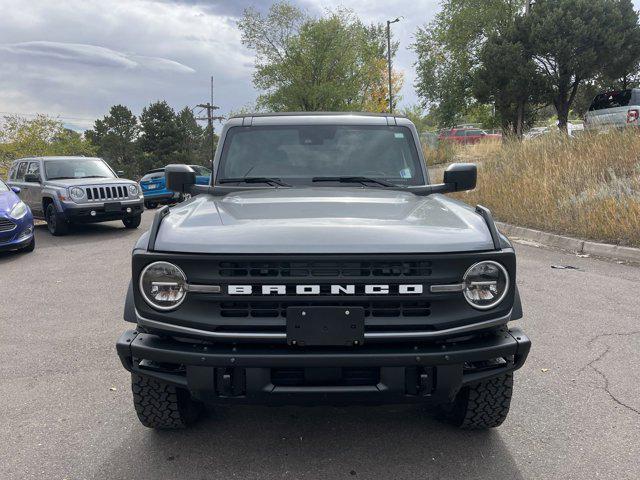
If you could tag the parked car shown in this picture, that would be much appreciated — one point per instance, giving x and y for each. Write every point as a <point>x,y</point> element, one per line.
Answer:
<point>466,135</point>
<point>322,266</point>
<point>618,109</point>
<point>155,189</point>
<point>68,190</point>
<point>16,221</point>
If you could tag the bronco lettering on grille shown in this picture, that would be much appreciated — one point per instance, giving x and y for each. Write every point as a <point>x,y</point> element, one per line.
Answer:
<point>405,289</point>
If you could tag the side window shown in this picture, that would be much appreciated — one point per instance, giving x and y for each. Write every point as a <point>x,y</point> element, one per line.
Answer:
<point>34,168</point>
<point>22,168</point>
<point>460,133</point>
<point>12,172</point>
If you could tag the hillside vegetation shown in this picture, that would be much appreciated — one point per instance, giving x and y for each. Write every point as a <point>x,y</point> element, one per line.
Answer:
<point>587,187</point>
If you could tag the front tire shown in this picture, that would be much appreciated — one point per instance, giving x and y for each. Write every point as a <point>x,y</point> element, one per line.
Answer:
<point>56,224</point>
<point>132,222</point>
<point>480,406</point>
<point>162,406</point>
<point>151,205</point>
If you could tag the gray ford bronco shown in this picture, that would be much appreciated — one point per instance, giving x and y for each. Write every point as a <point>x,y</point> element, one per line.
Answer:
<point>321,266</point>
<point>68,190</point>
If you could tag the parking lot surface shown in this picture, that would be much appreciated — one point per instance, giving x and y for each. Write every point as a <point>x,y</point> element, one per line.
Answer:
<point>67,411</point>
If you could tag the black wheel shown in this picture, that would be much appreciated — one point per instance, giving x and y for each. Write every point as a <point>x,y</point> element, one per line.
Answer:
<point>162,406</point>
<point>132,222</point>
<point>55,223</point>
<point>30,247</point>
<point>481,405</point>
<point>151,205</point>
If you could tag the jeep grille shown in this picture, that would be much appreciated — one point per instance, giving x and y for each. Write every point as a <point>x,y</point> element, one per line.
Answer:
<point>109,192</point>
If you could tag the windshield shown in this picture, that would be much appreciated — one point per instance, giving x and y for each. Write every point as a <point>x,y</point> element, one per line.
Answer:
<point>77,168</point>
<point>297,154</point>
<point>201,171</point>
<point>3,187</point>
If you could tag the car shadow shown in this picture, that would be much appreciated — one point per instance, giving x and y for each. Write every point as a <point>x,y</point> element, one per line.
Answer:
<point>312,442</point>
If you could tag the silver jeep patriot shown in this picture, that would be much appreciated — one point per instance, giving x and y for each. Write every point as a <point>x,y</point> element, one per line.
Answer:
<point>321,266</point>
<point>68,190</point>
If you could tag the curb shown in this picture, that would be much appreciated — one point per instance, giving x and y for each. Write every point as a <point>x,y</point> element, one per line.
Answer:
<point>576,245</point>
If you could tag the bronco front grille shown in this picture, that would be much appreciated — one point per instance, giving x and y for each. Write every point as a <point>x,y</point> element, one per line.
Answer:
<point>6,225</point>
<point>377,308</point>
<point>108,192</point>
<point>357,269</point>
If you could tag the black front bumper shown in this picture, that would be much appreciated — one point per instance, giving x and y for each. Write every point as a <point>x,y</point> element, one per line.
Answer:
<point>427,373</point>
<point>98,213</point>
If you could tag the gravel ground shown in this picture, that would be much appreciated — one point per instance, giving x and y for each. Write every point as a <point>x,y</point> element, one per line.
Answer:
<point>67,410</point>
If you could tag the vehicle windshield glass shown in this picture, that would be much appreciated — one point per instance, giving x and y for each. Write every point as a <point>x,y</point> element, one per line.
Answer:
<point>611,100</point>
<point>77,168</point>
<point>3,187</point>
<point>297,154</point>
<point>152,176</point>
<point>201,171</point>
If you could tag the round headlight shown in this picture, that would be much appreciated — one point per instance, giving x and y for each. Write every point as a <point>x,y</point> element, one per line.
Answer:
<point>163,285</point>
<point>133,190</point>
<point>485,284</point>
<point>19,210</point>
<point>76,193</point>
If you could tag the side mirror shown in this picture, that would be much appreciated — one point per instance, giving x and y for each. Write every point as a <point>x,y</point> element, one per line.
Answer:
<point>461,176</point>
<point>180,178</point>
<point>120,173</point>
<point>16,190</point>
<point>32,178</point>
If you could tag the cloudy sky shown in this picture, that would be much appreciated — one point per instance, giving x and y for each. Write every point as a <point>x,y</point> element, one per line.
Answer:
<point>76,58</point>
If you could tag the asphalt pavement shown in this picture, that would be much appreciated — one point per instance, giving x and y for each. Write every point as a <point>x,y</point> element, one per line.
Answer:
<point>66,410</point>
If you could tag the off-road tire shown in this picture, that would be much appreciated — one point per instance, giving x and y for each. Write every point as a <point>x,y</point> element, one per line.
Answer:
<point>481,405</point>
<point>162,406</point>
<point>132,222</point>
<point>56,223</point>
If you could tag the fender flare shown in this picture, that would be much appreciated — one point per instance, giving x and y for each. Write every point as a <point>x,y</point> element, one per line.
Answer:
<point>129,305</point>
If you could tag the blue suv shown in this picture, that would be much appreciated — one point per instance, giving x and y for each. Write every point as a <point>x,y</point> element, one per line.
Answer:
<point>16,221</point>
<point>155,191</point>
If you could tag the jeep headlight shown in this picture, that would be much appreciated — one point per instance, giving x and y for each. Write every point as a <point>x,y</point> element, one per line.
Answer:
<point>19,210</point>
<point>485,284</point>
<point>76,193</point>
<point>163,285</point>
<point>133,190</point>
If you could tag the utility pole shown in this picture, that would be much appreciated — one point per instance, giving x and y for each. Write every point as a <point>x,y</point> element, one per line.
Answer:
<point>210,107</point>
<point>522,103</point>
<point>389,22</point>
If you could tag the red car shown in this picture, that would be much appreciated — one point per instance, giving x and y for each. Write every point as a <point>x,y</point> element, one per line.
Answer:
<point>467,136</point>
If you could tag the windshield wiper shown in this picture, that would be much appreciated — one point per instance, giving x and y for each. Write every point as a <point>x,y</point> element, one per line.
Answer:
<point>268,180</point>
<point>362,180</point>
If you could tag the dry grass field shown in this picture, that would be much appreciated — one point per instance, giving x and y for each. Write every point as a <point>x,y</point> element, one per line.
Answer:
<point>587,187</point>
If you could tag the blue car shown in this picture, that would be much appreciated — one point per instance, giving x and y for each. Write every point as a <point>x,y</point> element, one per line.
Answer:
<point>16,221</point>
<point>154,187</point>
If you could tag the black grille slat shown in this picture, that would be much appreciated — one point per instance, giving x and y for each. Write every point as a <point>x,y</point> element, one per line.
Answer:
<point>6,225</point>
<point>270,309</point>
<point>362,269</point>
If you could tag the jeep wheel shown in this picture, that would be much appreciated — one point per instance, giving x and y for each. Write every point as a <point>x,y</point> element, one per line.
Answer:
<point>55,223</point>
<point>481,405</point>
<point>151,205</point>
<point>132,222</point>
<point>162,406</point>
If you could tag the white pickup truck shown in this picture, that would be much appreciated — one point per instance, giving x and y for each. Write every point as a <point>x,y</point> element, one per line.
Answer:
<point>614,110</point>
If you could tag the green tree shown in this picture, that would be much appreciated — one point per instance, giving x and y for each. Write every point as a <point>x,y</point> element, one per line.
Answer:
<point>40,136</point>
<point>114,137</point>
<point>304,63</point>
<point>573,41</point>
<point>448,52</point>
<point>507,77</point>
<point>160,139</point>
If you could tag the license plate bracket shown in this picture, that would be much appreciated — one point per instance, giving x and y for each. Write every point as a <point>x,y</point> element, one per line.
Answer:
<point>112,207</point>
<point>325,326</point>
